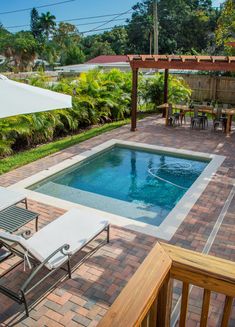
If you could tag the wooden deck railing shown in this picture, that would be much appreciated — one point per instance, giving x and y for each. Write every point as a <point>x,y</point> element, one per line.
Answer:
<point>146,299</point>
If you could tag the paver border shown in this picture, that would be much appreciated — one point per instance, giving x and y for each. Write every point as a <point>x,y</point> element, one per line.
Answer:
<point>173,220</point>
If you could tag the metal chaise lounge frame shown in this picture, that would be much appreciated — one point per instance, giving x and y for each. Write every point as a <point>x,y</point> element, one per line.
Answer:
<point>17,245</point>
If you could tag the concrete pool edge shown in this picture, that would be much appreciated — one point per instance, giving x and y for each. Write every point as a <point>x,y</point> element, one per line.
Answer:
<point>173,220</point>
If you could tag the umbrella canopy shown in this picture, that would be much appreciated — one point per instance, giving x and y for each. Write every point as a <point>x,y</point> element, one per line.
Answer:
<point>18,98</point>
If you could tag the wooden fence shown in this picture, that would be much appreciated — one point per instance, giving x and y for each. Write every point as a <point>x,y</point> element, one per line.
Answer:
<point>207,88</point>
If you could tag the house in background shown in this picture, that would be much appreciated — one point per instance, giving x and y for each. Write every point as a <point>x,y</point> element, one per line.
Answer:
<point>103,62</point>
<point>110,59</point>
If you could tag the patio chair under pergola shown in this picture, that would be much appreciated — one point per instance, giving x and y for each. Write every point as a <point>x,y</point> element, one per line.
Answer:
<point>167,62</point>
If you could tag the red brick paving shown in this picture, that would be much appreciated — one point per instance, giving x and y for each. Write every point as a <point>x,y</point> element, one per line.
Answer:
<point>84,299</point>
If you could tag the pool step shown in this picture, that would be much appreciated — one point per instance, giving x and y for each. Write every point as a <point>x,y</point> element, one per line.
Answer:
<point>133,210</point>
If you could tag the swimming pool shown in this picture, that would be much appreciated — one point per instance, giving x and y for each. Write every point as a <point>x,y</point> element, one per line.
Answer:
<point>137,184</point>
<point>142,187</point>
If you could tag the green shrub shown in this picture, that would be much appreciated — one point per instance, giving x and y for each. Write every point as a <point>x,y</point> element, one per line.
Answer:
<point>153,90</point>
<point>98,97</point>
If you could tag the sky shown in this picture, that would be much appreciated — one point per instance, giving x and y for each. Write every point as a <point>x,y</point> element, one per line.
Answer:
<point>69,9</point>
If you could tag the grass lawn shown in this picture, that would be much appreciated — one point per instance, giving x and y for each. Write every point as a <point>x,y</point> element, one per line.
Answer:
<point>25,157</point>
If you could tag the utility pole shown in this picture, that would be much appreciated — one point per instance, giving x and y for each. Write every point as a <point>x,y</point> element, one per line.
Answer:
<point>155,26</point>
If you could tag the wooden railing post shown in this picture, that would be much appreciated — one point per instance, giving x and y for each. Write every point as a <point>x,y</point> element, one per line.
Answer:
<point>164,303</point>
<point>184,305</point>
<point>153,314</point>
<point>205,308</point>
<point>227,311</point>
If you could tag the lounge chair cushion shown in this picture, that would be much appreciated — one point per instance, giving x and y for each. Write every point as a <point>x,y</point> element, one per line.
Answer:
<point>76,228</point>
<point>9,197</point>
<point>14,241</point>
<point>11,238</point>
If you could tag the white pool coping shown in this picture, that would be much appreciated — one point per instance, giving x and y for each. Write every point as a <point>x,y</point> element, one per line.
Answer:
<point>173,220</point>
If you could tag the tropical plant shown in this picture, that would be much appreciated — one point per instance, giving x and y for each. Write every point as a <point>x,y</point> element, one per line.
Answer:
<point>98,97</point>
<point>226,26</point>
<point>21,48</point>
<point>153,89</point>
<point>10,130</point>
<point>47,24</point>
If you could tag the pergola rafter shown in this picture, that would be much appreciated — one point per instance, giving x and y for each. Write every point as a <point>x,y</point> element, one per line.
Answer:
<point>179,62</point>
<point>210,63</point>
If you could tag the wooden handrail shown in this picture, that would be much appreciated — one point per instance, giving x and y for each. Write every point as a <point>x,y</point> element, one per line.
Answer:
<point>146,299</point>
<point>206,271</point>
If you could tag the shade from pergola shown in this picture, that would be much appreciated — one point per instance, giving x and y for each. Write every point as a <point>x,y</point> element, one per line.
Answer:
<point>179,62</point>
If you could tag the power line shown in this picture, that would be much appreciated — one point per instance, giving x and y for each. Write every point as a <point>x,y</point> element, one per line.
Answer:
<point>69,20</point>
<point>97,28</point>
<point>111,20</point>
<point>92,23</point>
<point>92,17</point>
<point>102,29</point>
<point>108,28</point>
<point>84,24</point>
<point>38,7</point>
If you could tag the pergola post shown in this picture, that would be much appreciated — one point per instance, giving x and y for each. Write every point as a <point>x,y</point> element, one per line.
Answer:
<point>134,98</point>
<point>166,76</point>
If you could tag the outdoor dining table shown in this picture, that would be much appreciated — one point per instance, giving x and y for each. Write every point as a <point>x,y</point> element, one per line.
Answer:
<point>201,108</point>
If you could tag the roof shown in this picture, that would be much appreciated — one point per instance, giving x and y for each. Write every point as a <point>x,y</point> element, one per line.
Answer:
<point>107,59</point>
<point>215,63</point>
<point>231,44</point>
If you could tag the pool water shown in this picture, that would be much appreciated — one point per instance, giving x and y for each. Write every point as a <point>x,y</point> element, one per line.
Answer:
<point>132,183</point>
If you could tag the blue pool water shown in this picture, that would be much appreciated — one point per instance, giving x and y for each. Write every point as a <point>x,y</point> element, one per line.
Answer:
<point>136,184</point>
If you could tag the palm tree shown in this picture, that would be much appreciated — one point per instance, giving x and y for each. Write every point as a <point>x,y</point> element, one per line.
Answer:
<point>47,23</point>
<point>20,47</point>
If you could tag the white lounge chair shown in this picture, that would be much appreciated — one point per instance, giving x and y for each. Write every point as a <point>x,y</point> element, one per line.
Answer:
<point>52,247</point>
<point>9,197</point>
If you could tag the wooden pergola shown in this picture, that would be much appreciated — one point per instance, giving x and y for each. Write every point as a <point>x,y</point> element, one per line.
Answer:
<point>167,62</point>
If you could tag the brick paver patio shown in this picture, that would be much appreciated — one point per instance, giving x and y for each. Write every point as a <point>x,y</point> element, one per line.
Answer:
<point>84,299</point>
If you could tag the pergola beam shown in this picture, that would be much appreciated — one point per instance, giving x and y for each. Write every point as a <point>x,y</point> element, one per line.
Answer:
<point>209,63</point>
<point>208,66</point>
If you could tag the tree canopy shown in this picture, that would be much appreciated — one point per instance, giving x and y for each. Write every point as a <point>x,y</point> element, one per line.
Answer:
<point>21,48</point>
<point>185,26</point>
<point>226,26</point>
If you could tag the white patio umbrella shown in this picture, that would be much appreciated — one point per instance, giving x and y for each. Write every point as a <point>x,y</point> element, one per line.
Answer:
<point>18,98</point>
